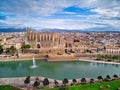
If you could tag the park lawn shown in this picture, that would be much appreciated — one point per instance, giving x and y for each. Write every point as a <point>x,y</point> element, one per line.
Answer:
<point>113,85</point>
<point>8,87</point>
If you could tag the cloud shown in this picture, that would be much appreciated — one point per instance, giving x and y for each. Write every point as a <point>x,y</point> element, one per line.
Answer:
<point>106,13</point>
<point>112,23</point>
<point>45,13</point>
<point>50,23</point>
<point>40,7</point>
<point>48,7</point>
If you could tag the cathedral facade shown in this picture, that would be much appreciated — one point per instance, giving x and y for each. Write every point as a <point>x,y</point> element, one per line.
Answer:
<point>47,42</point>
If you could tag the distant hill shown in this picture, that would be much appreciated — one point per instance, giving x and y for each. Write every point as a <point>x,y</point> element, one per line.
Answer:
<point>106,30</point>
<point>12,29</point>
<point>82,31</point>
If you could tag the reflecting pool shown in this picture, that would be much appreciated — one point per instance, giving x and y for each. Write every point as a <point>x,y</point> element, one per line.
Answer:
<point>57,70</point>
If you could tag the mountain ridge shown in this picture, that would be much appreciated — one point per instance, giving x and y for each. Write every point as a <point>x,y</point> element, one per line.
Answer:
<point>57,30</point>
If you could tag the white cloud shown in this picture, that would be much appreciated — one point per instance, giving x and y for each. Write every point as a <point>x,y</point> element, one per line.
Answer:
<point>51,23</point>
<point>40,7</point>
<point>107,13</point>
<point>112,23</point>
<point>104,10</point>
<point>47,7</point>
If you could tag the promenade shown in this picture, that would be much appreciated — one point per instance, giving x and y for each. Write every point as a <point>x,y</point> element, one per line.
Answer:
<point>19,82</point>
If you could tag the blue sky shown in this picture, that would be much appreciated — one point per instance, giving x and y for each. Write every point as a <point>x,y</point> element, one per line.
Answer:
<point>60,14</point>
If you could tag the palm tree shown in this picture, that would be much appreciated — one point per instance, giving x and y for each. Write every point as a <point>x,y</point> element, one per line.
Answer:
<point>74,81</point>
<point>100,78</point>
<point>36,83</point>
<point>115,76</point>
<point>65,81</point>
<point>46,82</point>
<point>27,80</point>
<point>108,78</point>
<point>83,81</point>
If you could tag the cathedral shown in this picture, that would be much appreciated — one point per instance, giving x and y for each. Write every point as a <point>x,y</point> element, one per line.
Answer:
<point>45,42</point>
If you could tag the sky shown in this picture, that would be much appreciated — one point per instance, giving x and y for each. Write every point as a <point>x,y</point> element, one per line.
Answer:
<point>61,14</point>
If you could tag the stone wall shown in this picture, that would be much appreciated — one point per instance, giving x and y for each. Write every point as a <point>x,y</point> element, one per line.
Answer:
<point>64,57</point>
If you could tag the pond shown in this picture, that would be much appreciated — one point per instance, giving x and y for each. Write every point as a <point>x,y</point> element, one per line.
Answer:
<point>57,70</point>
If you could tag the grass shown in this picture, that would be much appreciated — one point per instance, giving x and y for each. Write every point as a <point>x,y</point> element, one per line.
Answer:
<point>112,85</point>
<point>8,87</point>
<point>109,57</point>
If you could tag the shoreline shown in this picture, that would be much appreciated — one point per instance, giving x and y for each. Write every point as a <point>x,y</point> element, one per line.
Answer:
<point>104,62</point>
<point>19,81</point>
<point>80,59</point>
<point>7,60</point>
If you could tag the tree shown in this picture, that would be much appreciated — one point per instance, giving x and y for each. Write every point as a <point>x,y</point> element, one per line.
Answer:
<point>1,49</point>
<point>46,82</point>
<point>115,76</point>
<point>114,57</point>
<point>27,80</point>
<point>107,78</point>
<point>83,81</point>
<point>65,81</point>
<point>25,47</point>
<point>7,50</point>
<point>74,81</point>
<point>36,83</point>
<point>100,78</point>
<point>12,49</point>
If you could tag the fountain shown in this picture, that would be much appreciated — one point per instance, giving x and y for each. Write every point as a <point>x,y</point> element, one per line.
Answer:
<point>34,64</point>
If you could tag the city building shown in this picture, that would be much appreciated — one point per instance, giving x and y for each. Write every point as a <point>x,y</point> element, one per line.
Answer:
<point>44,42</point>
